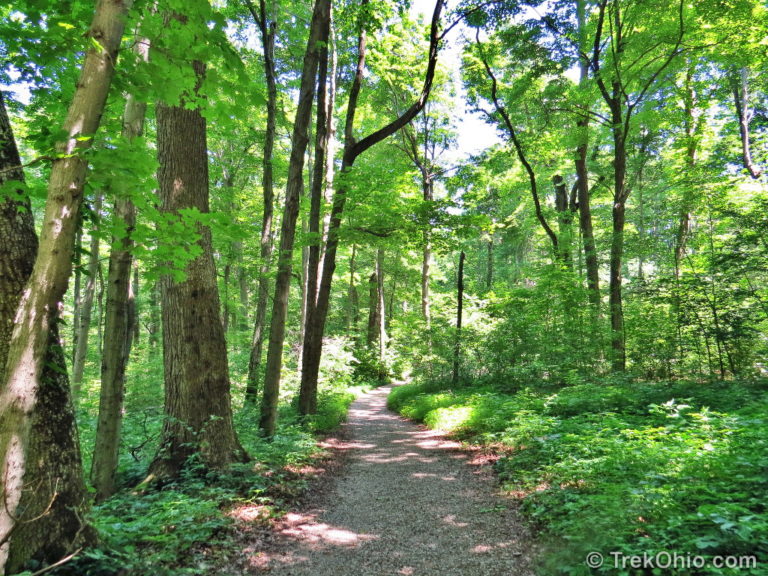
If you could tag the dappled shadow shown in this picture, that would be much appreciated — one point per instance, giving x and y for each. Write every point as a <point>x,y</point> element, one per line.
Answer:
<point>407,503</point>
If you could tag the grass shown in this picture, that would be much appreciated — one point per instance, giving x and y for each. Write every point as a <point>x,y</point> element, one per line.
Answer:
<point>623,468</point>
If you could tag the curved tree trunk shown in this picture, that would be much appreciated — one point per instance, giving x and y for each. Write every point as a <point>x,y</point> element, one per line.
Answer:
<point>313,345</point>
<point>36,417</point>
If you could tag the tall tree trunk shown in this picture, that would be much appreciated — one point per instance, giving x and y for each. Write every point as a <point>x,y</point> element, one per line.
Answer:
<point>153,325</point>
<point>118,328</point>
<point>86,304</point>
<point>353,309</point>
<point>459,314</point>
<point>307,394</point>
<point>745,115</point>
<point>268,31</point>
<point>615,301</point>
<point>382,327</point>
<point>77,258</point>
<point>582,177</point>
<point>197,390</point>
<point>353,148</point>
<point>426,257</point>
<point>299,141</point>
<point>39,454</point>
<point>374,312</point>
<point>242,285</point>
<point>692,125</point>
<point>134,327</point>
<point>565,206</point>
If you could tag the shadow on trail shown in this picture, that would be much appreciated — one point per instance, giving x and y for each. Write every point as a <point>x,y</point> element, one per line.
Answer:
<point>407,503</point>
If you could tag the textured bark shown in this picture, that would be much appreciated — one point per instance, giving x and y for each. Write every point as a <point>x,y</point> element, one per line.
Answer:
<point>54,449</point>
<point>86,303</point>
<point>308,391</point>
<point>266,245</point>
<point>313,346</point>
<point>299,141</point>
<point>36,418</point>
<point>197,390</point>
<point>118,327</point>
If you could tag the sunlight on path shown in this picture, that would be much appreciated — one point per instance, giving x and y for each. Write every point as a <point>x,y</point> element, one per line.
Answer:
<point>409,503</point>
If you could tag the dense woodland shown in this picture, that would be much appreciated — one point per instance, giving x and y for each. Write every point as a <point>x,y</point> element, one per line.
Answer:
<point>219,220</point>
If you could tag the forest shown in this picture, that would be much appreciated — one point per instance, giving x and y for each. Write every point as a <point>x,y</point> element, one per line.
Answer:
<point>540,227</point>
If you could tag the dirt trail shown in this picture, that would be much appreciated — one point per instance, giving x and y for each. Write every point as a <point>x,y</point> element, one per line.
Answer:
<point>409,503</point>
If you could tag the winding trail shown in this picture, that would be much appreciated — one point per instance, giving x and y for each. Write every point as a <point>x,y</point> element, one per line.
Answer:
<point>408,503</point>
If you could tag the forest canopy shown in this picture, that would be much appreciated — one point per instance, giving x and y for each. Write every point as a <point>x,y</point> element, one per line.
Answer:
<point>218,220</point>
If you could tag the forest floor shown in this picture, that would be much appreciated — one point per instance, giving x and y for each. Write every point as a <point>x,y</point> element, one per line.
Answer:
<point>397,500</point>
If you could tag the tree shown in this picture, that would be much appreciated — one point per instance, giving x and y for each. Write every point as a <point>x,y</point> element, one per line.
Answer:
<point>118,331</point>
<point>268,31</point>
<point>318,30</point>
<point>197,389</point>
<point>353,148</point>
<point>30,418</point>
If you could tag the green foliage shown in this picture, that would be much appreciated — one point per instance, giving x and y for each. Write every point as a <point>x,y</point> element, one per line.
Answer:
<point>186,527</point>
<point>624,467</point>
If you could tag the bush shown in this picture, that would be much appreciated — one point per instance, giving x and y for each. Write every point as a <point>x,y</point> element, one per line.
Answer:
<point>625,468</point>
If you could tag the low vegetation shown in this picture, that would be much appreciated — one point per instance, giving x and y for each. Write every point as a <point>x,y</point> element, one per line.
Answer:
<point>188,525</point>
<point>623,468</point>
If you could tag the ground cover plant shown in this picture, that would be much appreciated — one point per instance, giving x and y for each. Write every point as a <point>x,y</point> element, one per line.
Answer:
<point>623,469</point>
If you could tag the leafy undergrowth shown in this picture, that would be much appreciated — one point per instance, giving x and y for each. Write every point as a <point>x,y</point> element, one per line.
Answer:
<point>186,527</point>
<point>658,478</point>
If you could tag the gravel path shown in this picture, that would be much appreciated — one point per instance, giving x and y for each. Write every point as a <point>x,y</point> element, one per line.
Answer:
<point>409,503</point>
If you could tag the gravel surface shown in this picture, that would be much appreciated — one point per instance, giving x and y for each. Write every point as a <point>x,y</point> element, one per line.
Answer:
<point>408,502</point>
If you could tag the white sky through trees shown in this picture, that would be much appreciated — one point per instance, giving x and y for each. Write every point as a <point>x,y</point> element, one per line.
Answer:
<point>473,133</point>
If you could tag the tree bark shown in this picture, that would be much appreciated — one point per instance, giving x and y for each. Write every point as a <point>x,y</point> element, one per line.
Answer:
<point>118,327</point>
<point>36,418</point>
<point>582,176</point>
<point>313,346</point>
<point>86,303</point>
<point>374,312</point>
<point>308,392</point>
<point>299,141</point>
<point>745,114</point>
<point>459,314</point>
<point>266,244</point>
<point>197,390</point>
